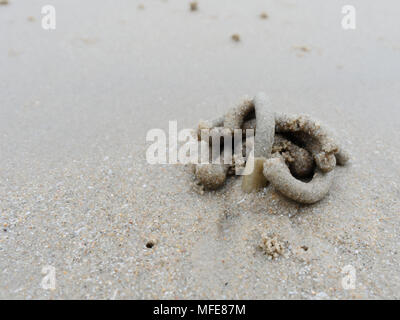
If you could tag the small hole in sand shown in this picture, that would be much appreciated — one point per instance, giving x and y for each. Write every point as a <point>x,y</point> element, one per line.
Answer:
<point>150,244</point>
<point>305,248</point>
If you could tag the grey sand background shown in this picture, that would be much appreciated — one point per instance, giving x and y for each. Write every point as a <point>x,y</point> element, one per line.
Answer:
<point>77,193</point>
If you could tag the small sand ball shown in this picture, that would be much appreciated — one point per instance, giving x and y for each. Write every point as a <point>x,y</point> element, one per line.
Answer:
<point>211,176</point>
<point>236,37</point>
<point>271,246</point>
<point>193,6</point>
<point>303,165</point>
<point>3,2</point>
<point>140,6</point>
<point>264,15</point>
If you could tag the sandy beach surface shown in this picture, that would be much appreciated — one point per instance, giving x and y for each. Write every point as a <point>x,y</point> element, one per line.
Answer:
<point>77,194</point>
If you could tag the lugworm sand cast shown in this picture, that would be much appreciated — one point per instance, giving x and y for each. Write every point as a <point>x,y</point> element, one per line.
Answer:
<point>287,150</point>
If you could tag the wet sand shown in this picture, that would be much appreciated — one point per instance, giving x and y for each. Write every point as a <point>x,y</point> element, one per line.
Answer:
<point>76,192</point>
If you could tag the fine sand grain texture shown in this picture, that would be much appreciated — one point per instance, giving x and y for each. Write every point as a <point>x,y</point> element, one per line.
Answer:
<point>77,194</point>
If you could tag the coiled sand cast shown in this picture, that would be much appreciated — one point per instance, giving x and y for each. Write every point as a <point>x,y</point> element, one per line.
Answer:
<point>296,154</point>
